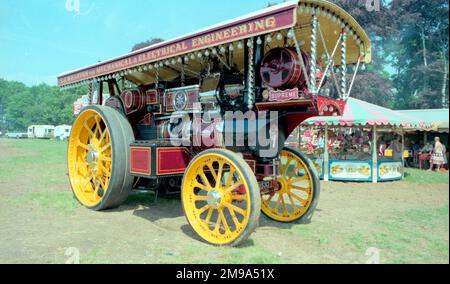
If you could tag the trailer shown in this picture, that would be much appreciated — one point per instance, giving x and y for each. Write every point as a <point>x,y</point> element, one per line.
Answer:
<point>209,113</point>
<point>62,132</point>
<point>41,131</point>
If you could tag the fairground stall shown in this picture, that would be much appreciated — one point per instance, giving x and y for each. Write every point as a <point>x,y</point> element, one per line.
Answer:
<point>420,142</point>
<point>366,144</point>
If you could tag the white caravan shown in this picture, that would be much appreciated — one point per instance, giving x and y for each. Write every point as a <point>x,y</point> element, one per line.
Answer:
<point>62,132</point>
<point>41,131</point>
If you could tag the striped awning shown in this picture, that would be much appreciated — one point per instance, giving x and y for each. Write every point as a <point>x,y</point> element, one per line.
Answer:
<point>360,113</point>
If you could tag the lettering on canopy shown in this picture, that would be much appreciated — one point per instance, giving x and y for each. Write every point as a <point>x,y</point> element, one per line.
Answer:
<point>257,25</point>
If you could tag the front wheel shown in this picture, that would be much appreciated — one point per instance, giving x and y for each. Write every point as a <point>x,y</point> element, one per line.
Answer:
<point>221,197</point>
<point>98,158</point>
<point>298,189</point>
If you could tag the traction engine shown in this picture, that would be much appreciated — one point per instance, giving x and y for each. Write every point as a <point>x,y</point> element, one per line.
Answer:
<point>209,116</point>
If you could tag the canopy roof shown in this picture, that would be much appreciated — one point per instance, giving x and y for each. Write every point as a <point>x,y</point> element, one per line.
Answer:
<point>187,51</point>
<point>360,113</point>
<point>437,118</point>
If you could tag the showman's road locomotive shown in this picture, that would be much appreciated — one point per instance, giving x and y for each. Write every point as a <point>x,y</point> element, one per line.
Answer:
<point>209,113</point>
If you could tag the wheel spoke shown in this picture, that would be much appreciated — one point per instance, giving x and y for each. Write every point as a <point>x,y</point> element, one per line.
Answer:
<point>287,166</point>
<point>230,177</point>
<point>304,189</point>
<point>236,209</point>
<point>201,186</point>
<point>280,164</point>
<point>103,136</point>
<point>212,171</point>
<point>105,148</point>
<point>234,187</point>
<point>301,200</point>
<point>217,227</point>
<point>278,204</point>
<point>82,145</point>
<point>294,206</point>
<point>98,128</point>
<point>219,175</point>
<point>97,187</point>
<point>267,202</point>
<point>233,216</point>
<point>203,209</point>
<point>239,197</point>
<point>285,211</point>
<point>200,198</point>
<point>205,181</point>
<point>208,217</point>
<point>224,221</point>
<point>299,179</point>
<point>88,129</point>
<point>106,159</point>
<point>294,172</point>
<point>105,171</point>
<point>102,184</point>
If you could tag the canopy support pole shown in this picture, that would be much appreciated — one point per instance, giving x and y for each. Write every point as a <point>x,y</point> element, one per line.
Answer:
<point>374,155</point>
<point>403,155</point>
<point>326,156</point>
<point>313,75</point>
<point>344,65</point>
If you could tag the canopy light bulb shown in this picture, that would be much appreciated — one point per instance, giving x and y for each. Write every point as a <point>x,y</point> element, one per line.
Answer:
<point>279,36</point>
<point>291,34</point>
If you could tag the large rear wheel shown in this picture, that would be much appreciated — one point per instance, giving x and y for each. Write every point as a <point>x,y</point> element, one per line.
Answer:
<point>298,189</point>
<point>98,158</point>
<point>221,197</point>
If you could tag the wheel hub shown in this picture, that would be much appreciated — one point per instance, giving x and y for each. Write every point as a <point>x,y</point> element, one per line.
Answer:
<point>214,199</point>
<point>283,185</point>
<point>92,157</point>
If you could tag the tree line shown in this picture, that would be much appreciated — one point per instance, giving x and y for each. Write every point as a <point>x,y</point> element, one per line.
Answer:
<point>22,106</point>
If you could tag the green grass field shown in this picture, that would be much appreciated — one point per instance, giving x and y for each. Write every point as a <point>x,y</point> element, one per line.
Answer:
<point>407,222</point>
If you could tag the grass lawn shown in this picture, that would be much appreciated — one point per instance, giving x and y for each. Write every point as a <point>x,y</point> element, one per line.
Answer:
<point>405,222</point>
<point>425,177</point>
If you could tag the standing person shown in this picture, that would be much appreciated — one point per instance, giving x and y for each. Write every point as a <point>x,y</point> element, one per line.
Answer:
<point>396,147</point>
<point>416,151</point>
<point>438,155</point>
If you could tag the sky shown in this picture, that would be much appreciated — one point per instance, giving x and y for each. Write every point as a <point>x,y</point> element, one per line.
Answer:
<point>40,39</point>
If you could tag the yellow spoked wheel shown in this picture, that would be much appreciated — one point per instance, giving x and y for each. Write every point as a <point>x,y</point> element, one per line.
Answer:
<point>98,158</point>
<point>298,189</point>
<point>221,197</point>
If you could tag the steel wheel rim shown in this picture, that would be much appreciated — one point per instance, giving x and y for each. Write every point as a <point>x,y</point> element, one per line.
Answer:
<point>90,158</point>
<point>294,198</point>
<point>216,199</point>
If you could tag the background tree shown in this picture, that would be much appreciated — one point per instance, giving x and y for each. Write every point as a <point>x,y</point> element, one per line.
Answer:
<point>146,43</point>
